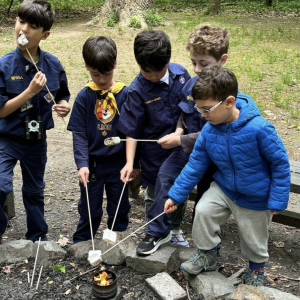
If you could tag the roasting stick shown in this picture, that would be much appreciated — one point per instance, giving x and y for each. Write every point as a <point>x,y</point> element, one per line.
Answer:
<point>37,284</point>
<point>89,211</point>
<point>112,226</point>
<point>36,255</point>
<point>132,233</point>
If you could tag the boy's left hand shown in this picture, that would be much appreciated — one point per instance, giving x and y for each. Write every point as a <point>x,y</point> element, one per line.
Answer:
<point>272,212</point>
<point>170,141</point>
<point>62,109</point>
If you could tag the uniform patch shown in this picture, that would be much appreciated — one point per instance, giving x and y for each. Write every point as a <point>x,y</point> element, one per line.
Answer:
<point>26,106</point>
<point>16,77</point>
<point>150,101</point>
<point>48,97</point>
<point>189,98</point>
<point>182,79</point>
<point>105,109</point>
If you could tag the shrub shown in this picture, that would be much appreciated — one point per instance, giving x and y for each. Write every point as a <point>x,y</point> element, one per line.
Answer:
<point>135,22</point>
<point>153,19</point>
<point>110,22</point>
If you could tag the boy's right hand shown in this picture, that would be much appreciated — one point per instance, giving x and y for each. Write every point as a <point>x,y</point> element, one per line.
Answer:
<point>170,141</point>
<point>83,175</point>
<point>37,83</point>
<point>170,206</point>
<point>126,173</point>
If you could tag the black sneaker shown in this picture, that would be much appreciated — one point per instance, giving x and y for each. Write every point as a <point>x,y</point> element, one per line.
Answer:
<point>151,243</point>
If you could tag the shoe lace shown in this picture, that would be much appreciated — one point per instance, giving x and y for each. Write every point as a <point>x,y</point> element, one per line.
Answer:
<point>200,258</point>
<point>255,280</point>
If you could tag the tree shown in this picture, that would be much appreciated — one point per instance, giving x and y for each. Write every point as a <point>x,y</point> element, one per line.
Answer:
<point>124,9</point>
<point>214,7</point>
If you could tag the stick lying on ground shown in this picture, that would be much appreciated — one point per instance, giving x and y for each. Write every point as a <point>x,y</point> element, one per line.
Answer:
<point>115,140</point>
<point>36,255</point>
<point>22,40</point>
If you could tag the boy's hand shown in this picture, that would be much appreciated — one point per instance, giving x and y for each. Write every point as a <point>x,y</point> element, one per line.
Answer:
<point>37,83</point>
<point>170,141</point>
<point>170,206</point>
<point>83,175</point>
<point>62,109</point>
<point>272,212</point>
<point>126,172</point>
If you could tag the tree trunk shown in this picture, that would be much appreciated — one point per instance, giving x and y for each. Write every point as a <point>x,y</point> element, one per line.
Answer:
<point>214,7</point>
<point>125,9</point>
<point>268,2</point>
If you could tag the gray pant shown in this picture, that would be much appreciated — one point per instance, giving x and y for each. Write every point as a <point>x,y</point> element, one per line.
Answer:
<point>214,209</point>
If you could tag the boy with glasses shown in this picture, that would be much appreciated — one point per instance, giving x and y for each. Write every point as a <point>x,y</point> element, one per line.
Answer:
<point>253,177</point>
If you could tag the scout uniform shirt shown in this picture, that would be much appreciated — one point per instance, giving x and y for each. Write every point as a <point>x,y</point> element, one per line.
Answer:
<point>150,112</point>
<point>16,73</point>
<point>95,114</point>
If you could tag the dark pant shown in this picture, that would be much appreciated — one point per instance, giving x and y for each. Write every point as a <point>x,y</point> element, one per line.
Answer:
<point>104,173</point>
<point>33,158</point>
<point>168,172</point>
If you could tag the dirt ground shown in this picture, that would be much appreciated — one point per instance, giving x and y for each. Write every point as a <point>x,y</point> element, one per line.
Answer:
<point>62,193</point>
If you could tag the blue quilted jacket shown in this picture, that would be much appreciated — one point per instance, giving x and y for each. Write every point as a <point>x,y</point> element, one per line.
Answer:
<point>253,166</point>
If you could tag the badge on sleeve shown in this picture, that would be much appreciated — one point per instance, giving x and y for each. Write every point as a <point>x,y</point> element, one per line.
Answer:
<point>49,97</point>
<point>26,106</point>
<point>182,79</point>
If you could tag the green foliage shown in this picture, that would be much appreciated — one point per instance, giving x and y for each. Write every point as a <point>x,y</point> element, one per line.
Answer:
<point>135,22</point>
<point>60,268</point>
<point>110,22</point>
<point>153,19</point>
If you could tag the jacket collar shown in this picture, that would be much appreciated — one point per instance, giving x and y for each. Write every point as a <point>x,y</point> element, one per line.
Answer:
<point>24,62</point>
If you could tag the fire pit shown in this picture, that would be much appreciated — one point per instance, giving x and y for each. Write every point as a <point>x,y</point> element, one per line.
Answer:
<point>105,285</point>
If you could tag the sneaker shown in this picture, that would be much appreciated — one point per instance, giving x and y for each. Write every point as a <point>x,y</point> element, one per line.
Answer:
<point>178,238</point>
<point>151,243</point>
<point>254,279</point>
<point>203,260</point>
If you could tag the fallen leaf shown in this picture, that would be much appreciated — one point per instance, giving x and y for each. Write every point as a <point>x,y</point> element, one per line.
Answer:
<point>73,265</point>
<point>23,271</point>
<point>77,287</point>
<point>50,282</point>
<point>278,244</point>
<point>63,241</point>
<point>20,282</point>
<point>68,292</point>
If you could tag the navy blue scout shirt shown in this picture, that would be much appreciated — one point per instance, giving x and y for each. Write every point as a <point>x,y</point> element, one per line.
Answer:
<point>16,73</point>
<point>192,119</point>
<point>150,112</point>
<point>94,117</point>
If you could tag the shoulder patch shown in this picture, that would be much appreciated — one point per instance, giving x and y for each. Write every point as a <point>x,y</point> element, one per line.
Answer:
<point>182,79</point>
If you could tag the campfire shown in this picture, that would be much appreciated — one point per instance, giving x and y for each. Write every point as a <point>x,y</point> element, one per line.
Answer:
<point>104,285</point>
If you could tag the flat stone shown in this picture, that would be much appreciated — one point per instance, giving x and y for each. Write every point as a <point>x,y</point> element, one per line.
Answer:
<point>247,292</point>
<point>277,294</point>
<point>80,250</point>
<point>49,252</point>
<point>165,287</point>
<point>165,259</point>
<point>212,285</point>
<point>15,251</point>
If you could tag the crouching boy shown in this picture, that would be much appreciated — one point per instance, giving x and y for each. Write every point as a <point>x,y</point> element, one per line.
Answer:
<point>253,177</point>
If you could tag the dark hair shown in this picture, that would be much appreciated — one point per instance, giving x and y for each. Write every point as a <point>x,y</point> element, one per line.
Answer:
<point>152,50</point>
<point>208,39</point>
<point>100,52</point>
<point>37,12</point>
<point>215,82</point>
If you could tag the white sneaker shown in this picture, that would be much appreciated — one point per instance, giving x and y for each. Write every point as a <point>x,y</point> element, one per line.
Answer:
<point>179,238</point>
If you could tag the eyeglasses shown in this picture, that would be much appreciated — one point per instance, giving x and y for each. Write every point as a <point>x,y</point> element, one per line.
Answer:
<point>207,111</point>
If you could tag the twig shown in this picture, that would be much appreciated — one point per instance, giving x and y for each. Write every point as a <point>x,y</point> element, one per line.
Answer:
<point>37,284</point>
<point>36,255</point>
<point>88,271</point>
<point>28,277</point>
<point>187,290</point>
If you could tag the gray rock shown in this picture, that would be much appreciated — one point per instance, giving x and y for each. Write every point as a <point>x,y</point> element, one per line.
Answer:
<point>247,292</point>
<point>212,285</point>
<point>15,251</point>
<point>165,259</point>
<point>277,294</point>
<point>165,287</point>
<point>49,252</point>
<point>80,250</point>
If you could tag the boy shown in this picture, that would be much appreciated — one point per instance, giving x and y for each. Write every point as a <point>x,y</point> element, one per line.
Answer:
<point>94,117</point>
<point>151,110</point>
<point>253,177</point>
<point>207,45</point>
<point>26,112</point>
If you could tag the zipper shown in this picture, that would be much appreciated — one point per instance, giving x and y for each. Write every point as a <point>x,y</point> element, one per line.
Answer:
<point>228,146</point>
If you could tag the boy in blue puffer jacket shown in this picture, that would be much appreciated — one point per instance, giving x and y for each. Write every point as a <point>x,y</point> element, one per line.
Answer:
<point>253,177</point>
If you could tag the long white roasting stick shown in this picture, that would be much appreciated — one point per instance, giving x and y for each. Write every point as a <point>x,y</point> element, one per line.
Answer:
<point>36,255</point>
<point>22,40</point>
<point>132,233</point>
<point>115,140</point>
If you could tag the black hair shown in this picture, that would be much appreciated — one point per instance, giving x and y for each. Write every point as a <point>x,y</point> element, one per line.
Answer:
<point>215,82</point>
<point>152,50</point>
<point>37,12</point>
<point>100,52</point>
